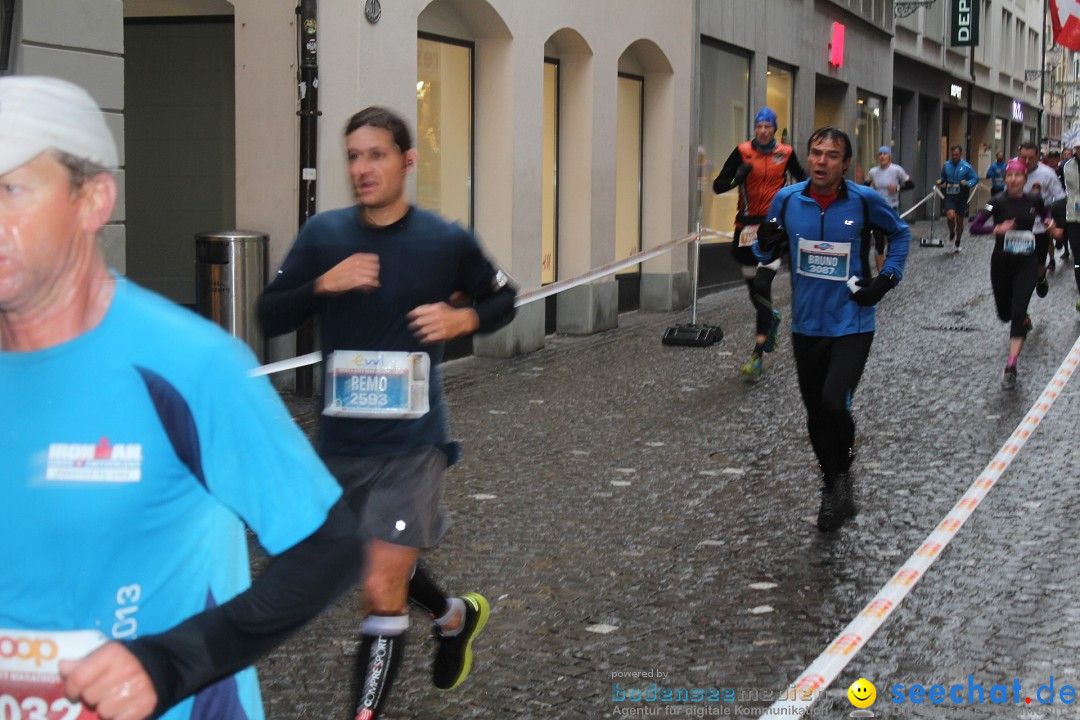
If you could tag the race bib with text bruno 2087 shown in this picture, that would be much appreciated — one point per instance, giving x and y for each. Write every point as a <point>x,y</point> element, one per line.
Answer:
<point>825,260</point>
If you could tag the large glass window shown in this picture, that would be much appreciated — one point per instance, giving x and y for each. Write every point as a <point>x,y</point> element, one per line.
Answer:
<point>628,168</point>
<point>868,133</point>
<point>549,222</point>
<point>444,127</point>
<point>779,95</point>
<point>725,93</point>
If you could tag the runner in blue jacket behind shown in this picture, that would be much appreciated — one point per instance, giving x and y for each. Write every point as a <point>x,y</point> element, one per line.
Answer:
<point>826,224</point>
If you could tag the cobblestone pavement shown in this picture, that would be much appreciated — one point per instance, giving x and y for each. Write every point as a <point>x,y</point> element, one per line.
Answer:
<point>612,484</point>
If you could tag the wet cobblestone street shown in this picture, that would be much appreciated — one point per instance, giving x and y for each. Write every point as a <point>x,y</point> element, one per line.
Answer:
<point>630,508</point>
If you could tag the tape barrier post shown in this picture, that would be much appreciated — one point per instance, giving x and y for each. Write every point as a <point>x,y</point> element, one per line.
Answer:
<point>813,681</point>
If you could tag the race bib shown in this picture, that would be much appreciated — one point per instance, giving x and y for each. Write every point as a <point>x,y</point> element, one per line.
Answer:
<point>30,685</point>
<point>748,235</point>
<point>952,188</point>
<point>376,384</point>
<point>825,260</point>
<point>1019,242</point>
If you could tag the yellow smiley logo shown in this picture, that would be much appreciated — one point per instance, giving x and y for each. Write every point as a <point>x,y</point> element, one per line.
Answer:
<point>862,693</point>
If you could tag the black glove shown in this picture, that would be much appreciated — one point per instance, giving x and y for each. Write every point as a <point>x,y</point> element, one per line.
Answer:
<point>870,292</point>
<point>740,174</point>
<point>770,236</point>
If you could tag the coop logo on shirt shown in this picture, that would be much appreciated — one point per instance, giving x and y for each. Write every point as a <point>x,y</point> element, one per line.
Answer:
<point>100,462</point>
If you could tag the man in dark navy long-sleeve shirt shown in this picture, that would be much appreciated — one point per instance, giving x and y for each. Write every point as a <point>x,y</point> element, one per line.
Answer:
<point>387,280</point>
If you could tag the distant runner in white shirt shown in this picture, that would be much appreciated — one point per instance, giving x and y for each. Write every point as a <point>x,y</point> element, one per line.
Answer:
<point>1043,180</point>
<point>888,179</point>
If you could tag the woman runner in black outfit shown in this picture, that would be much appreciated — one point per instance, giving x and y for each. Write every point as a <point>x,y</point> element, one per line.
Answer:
<point>1014,218</point>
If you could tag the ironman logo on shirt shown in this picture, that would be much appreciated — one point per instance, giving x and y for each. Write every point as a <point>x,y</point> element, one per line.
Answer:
<point>90,462</point>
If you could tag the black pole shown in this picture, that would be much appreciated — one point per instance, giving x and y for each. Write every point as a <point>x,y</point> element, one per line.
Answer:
<point>308,47</point>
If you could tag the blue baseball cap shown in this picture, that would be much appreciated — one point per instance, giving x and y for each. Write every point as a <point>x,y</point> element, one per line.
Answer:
<point>884,149</point>
<point>766,115</point>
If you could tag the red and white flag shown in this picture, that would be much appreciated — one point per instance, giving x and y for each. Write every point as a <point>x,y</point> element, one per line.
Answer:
<point>1065,17</point>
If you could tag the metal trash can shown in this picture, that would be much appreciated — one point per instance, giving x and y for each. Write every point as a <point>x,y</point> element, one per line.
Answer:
<point>230,272</point>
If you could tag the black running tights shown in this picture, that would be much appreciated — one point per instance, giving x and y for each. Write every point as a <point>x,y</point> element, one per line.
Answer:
<point>1013,279</point>
<point>829,369</point>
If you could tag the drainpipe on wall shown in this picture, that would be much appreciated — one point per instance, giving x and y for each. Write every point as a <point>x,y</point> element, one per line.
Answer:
<point>308,88</point>
<point>971,93</point>
<point>1042,77</point>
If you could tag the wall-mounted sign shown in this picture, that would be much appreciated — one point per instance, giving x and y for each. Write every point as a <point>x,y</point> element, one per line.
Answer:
<point>956,91</point>
<point>836,45</point>
<point>965,23</point>
<point>999,129</point>
<point>1018,111</point>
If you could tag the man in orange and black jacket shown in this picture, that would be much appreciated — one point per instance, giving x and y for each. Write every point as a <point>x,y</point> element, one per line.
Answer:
<point>759,168</point>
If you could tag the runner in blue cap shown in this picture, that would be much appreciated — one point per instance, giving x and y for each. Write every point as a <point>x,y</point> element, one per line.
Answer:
<point>759,168</point>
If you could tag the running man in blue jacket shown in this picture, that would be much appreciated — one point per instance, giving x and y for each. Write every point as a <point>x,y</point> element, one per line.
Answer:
<point>827,223</point>
<point>957,179</point>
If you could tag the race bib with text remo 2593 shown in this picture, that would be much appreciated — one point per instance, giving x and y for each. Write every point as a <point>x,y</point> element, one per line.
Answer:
<point>30,685</point>
<point>377,384</point>
<point>825,260</point>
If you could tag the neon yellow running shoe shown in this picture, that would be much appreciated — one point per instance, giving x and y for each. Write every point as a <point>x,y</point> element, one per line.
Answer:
<point>453,659</point>
<point>752,368</point>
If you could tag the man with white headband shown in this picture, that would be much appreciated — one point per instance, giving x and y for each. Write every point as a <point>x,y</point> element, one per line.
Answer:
<point>888,179</point>
<point>136,447</point>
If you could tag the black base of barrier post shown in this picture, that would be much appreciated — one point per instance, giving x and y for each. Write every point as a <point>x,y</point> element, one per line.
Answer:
<point>692,335</point>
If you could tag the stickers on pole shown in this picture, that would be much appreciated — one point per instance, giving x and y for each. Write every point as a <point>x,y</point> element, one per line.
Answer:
<point>377,384</point>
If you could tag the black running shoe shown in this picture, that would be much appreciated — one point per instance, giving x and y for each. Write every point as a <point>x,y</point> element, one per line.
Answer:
<point>1042,287</point>
<point>829,519</point>
<point>453,659</point>
<point>1008,378</point>
<point>844,496</point>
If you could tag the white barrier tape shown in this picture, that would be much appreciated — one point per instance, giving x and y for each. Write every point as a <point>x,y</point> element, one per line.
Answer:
<point>602,271</point>
<point>290,364</point>
<point>821,673</point>
<point>531,296</point>
<point>913,207</point>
